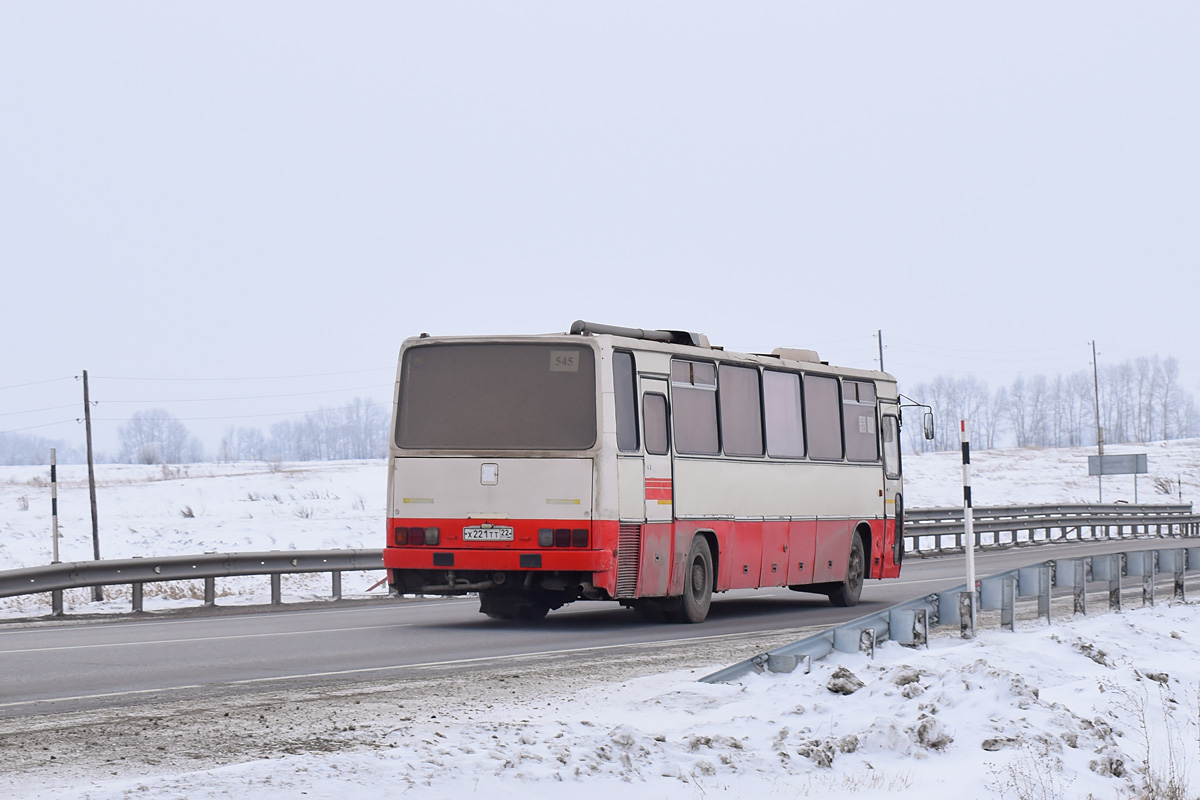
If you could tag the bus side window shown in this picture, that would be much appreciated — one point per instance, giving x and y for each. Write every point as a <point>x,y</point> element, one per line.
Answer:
<point>891,446</point>
<point>694,398</point>
<point>858,419</point>
<point>741,410</point>
<point>625,393</point>
<point>823,423</point>
<point>654,412</point>
<point>785,418</point>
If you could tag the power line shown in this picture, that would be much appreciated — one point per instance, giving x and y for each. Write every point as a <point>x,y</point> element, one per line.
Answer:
<point>43,425</point>
<point>36,383</point>
<point>36,410</point>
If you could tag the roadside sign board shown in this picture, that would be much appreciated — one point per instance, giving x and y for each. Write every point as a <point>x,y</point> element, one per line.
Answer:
<point>1126,464</point>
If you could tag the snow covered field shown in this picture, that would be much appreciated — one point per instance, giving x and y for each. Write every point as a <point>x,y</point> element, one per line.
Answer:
<point>1099,707</point>
<point>195,508</point>
<point>190,509</point>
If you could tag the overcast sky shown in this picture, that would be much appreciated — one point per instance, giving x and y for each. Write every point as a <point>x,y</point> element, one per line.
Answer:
<point>238,191</point>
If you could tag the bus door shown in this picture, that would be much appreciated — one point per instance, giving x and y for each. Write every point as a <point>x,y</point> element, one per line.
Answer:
<point>660,497</point>
<point>657,546</point>
<point>893,506</point>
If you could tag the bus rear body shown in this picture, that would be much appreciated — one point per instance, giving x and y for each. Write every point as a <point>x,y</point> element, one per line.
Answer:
<point>638,466</point>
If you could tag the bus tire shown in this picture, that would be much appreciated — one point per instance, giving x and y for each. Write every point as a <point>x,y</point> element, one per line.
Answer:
<point>847,593</point>
<point>697,583</point>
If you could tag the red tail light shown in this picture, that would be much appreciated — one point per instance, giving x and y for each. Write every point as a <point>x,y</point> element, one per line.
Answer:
<point>416,536</point>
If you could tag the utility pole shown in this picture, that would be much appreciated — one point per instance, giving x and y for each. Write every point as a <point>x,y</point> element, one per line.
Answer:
<point>97,591</point>
<point>879,335</point>
<point>1099,429</point>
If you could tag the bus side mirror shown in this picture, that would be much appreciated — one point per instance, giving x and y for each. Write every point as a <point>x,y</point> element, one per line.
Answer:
<point>928,424</point>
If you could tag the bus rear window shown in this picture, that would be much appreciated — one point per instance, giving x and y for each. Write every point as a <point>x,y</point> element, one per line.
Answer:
<point>511,396</point>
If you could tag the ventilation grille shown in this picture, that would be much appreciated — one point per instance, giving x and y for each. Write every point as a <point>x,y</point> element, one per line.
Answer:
<point>629,549</point>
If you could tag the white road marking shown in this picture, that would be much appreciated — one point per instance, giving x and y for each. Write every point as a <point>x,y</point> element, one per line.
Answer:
<point>197,639</point>
<point>391,668</point>
<point>55,628</point>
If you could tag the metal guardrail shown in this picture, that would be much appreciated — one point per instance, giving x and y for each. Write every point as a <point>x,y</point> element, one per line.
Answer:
<point>55,578</point>
<point>941,530</point>
<point>909,623</point>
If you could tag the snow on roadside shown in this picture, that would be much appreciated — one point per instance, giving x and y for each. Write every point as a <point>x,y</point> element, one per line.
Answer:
<point>1052,475</point>
<point>1091,708</point>
<point>189,509</point>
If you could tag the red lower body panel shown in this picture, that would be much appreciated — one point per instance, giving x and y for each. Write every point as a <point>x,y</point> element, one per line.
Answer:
<point>746,554</point>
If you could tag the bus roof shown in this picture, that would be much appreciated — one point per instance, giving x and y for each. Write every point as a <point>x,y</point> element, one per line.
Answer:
<point>681,343</point>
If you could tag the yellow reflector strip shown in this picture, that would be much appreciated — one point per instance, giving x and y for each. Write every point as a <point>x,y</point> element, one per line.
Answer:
<point>664,502</point>
<point>561,502</point>
<point>418,499</point>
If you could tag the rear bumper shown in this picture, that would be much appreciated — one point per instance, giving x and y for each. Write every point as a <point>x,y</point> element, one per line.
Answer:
<point>494,560</point>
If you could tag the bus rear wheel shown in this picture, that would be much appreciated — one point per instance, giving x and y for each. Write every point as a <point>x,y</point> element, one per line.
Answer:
<point>847,593</point>
<point>697,583</point>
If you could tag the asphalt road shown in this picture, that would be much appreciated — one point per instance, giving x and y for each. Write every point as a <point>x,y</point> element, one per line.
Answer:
<point>80,664</point>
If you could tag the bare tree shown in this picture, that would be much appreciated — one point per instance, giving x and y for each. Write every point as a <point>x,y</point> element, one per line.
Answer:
<point>1140,399</point>
<point>156,437</point>
<point>22,448</point>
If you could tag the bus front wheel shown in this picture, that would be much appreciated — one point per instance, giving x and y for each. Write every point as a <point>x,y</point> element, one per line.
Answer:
<point>848,592</point>
<point>697,583</point>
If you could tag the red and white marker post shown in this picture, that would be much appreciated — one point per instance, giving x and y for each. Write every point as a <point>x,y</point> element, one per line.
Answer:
<point>54,537</point>
<point>967,603</point>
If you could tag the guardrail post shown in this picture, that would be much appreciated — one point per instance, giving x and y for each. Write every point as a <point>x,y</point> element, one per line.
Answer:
<point>1080,587</point>
<point>1148,580</point>
<point>1180,565</point>
<point>136,591</point>
<point>1141,564</point>
<point>866,642</point>
<point>966,615</point>
<point>1114,582</point>
<point>56,603</point>
<point>1044,591</point>
<point>337,585</point>
<point>1008,604</point>
<point>210,592</point>
<point>276,589</point>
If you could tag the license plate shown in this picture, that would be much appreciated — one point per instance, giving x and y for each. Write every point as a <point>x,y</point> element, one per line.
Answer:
<point>499,534</point>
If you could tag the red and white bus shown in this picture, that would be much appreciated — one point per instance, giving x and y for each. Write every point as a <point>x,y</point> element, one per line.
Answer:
<point>641,466</point>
